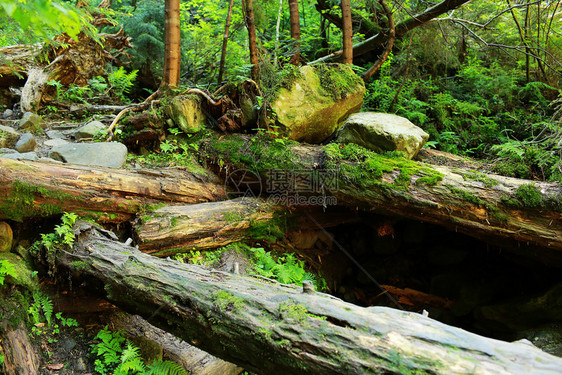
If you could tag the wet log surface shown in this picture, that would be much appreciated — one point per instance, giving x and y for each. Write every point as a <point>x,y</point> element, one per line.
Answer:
<point>271,328</point>
<point>35,189</point>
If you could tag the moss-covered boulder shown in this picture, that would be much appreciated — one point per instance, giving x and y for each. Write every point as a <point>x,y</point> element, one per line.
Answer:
<point>8,136</point>
<point>6,237</point>
<point>316,102</point>
<point>186,113</point>
<point>382,132</point>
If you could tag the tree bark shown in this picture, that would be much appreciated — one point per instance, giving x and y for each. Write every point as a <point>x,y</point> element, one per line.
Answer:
<point>252,38</point>
<point>174,229</point>
<point>481,205</point>
<point>378,41</point>
<point>272,328</point>
<point>172,41</point>
<point>360,25</point>
<point>347,39</point>
<point>225,41</point>
<point>35,189</point>
<point>20,356</point>
<point>295,31</point>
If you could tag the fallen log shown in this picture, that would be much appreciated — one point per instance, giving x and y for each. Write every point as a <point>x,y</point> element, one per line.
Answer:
<point>508,211</point>
<point>35,189</point>
<point>272,328</point>
<point>173,229</point>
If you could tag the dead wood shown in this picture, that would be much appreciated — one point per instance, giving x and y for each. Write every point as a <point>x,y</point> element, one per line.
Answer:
<point>486,206</point>
<point>271,328</point>
<point>35,189</point>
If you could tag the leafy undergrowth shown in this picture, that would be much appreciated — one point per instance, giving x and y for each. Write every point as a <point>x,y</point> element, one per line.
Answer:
<point>118,356</point>
<point>285,268</point>
<point>486,111</point>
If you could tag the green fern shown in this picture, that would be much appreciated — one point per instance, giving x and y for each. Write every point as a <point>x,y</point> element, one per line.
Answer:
<point>117,356</point>
<point>165,368</point>
<point>6,269</point>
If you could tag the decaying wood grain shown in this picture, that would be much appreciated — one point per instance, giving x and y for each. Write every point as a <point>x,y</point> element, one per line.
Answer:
<point>34,189</point>
<point>271,328</point>
<point>20,356</point>
<point>172,229</point>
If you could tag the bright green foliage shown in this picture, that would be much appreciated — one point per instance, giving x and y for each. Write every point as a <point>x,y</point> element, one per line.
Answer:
<point>63,234</point>
<point>286,269</point>
<point>42,16</point>
<point>145,24</point>
<point>121,82</point>
<point>6,269</point>
<point>117,356</point>
<point>530,196</point>
<point>41,310</point>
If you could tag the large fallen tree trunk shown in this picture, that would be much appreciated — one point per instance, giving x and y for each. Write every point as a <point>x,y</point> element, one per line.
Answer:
<point>32,189</point>
<point>494,208</point>
<point>271,328</point>
<point>172,229</point>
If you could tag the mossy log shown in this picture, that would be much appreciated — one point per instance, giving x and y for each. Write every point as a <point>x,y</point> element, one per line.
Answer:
<point>507,211</point>
<point>270,328</point>
<point>172,229</point>
<point>35,189</point>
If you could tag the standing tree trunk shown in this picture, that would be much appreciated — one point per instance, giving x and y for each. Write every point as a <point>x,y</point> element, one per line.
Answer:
<point>347,41</point>
<point>295,30</point>
<point>279,14</point>
<point>225,41</point>
<point>172,53</point>
<point>252,39</point>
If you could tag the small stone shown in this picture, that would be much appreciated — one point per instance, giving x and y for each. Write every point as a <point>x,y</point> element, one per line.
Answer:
<point>79,364</point>
<point>32,122</point>
<point>106,154</point>
<point>89,130</point>
<point>7,113</point>
<point>55,142</point>
<point>54,134</point>
<point>26,143</point>
<point>69,344</point>
<point>6,237</point>
<point>21,156</point>
<point>4,150</point>
<point>8,136</point>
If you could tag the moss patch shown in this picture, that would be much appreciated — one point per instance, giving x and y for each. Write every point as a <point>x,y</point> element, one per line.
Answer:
<point>226,302</point>
<point>530,196</point>
<point>337,79</point>
<point>365,167</point>
<point>20,201</point>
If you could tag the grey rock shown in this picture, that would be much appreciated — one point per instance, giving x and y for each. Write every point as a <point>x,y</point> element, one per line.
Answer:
<point>26,143</point>
<point>54,134</point>
<point>32,122</point>
<point>8,136</point>
<point>55,142</point>
<point>382,132</point>
<point>79,364</point>
<point>103,154</point>
<point>89,130</point>
<point>7,113</point>
<point>5,150</point>
<point>21,156</point>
